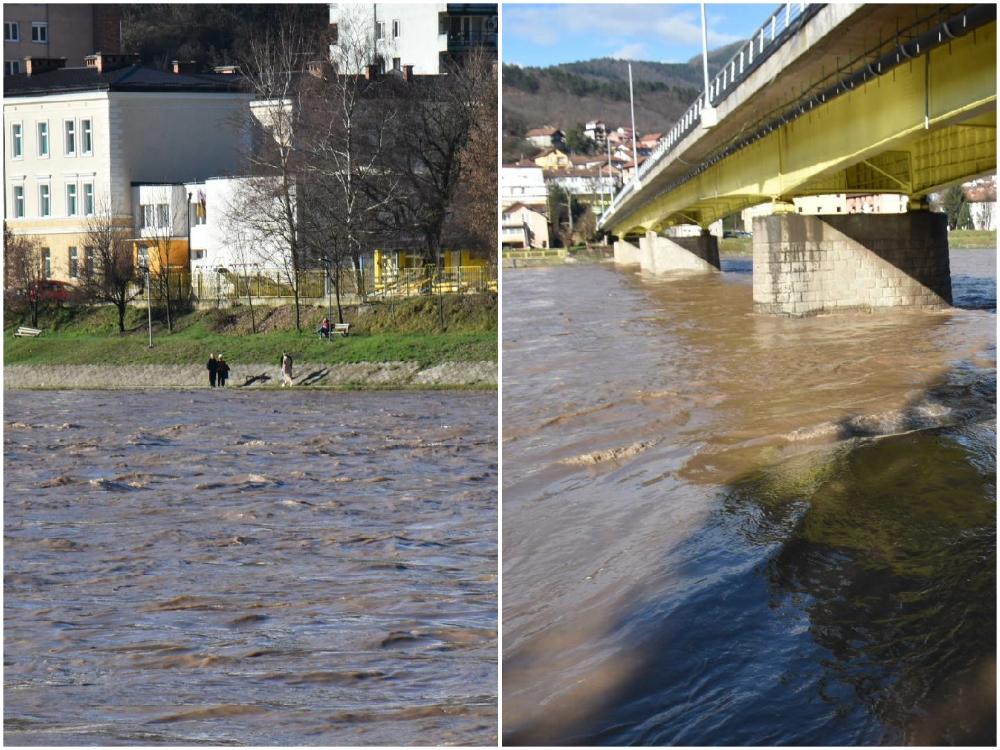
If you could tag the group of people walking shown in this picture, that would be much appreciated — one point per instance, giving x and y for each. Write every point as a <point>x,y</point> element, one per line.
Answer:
<point>218,371</point>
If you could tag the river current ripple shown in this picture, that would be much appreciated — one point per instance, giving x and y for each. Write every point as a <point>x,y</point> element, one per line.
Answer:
<point>186,567</point>
<point>723,528</point>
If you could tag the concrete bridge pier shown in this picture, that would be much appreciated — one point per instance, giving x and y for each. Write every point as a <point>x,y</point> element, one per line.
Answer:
<point>803,265</point>
<point>698,254</point>
<point>626,253</point>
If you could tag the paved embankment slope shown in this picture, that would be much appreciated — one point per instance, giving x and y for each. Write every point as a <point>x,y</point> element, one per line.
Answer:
<point>359,375</point>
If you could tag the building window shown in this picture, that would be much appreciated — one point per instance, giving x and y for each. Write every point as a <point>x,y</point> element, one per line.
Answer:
<point>71,208</point>
<point>88,261</point>
<point>11,31</point>
<point>334,34</point>
<point>43,139</point>
<point>199,211</point>
<point>11,67</point>
<point>47,261</point>
<point>395,28</point>
<point>396,64</point>
<point>86,132</point>
<point>70,140</point>
<point>143,257</point>
<point>40,32</point>
<point>74,264</point>
<point>88,199</point>
<point>148,216</point>
<point>18,201</point>
<point>17,141</point>
<point>380,30</point>
<point>44,202</point>
<point>162,215</point>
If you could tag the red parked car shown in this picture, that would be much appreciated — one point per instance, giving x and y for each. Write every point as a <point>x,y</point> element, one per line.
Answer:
<point>51,291</point>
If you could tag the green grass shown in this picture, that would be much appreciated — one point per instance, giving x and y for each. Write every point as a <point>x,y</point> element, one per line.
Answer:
<point>965,239</point>
<point>406,330</point>
<point>959,239</point>
<point>736,246</point>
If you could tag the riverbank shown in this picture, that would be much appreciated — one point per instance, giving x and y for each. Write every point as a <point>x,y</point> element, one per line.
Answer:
<point>381,337</point>
<point>312,375</point>
<point>959,239</point>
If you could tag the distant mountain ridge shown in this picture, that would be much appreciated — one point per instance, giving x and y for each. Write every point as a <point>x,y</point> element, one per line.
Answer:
<point>568,94</point>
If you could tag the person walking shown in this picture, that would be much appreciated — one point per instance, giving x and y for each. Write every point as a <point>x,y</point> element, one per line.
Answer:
<point>213,369</point>
<point>286,369</point>
<point>223,371</point>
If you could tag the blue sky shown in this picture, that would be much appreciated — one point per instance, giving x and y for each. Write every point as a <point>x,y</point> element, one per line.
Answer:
<point>549,33</point>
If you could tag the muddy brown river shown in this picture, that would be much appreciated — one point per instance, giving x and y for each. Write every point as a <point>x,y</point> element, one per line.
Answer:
<point>723,528</point>
<point>187,567</point>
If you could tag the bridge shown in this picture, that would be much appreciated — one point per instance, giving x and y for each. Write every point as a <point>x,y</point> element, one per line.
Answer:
<point>838,98</point>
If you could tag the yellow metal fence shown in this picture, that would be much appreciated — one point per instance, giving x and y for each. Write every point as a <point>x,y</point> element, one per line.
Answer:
<point>274,284</point>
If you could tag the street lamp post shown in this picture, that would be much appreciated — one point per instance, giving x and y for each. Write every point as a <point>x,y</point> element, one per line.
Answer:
<point>635,151</point>
<point>709,118</point>
<point>149,301</point>
<point>329,287</point>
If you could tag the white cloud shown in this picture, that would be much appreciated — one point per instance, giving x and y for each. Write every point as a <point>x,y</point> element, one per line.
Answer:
<point>635,51</point>
<point>634,29</point>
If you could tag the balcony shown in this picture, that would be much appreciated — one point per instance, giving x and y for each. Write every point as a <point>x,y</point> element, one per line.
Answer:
<point>460,41</point>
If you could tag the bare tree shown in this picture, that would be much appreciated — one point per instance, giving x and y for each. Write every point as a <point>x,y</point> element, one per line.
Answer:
<point>273,68</point>
<point>984,214</point>
<point>109,273</point>
<point>160,234</point>
<point>350,184</point>
<point>23,269</point>
<point>246,249</point>
<point>441,115</point>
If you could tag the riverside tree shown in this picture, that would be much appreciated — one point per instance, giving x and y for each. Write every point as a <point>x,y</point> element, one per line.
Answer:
<point>23,270</point>
<point>109,274</point>
<point>349,181</point>
<point>273,68</point>
<point>441,115</point>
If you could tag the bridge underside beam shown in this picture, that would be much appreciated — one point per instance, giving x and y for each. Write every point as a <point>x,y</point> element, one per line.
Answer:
<point>918,127</point>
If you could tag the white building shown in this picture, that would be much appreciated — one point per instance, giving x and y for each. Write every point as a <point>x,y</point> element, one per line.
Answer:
<point>524,227</point>
<point>77,139</point>
<point>522,185</point>
<point>421,35</point>
<point>581,182</point>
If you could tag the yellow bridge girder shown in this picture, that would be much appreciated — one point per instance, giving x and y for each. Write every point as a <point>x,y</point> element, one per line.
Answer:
<point>872,139</point>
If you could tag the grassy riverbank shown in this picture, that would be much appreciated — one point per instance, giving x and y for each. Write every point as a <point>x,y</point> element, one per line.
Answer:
<point>959,239</point>
<point>405,331</point>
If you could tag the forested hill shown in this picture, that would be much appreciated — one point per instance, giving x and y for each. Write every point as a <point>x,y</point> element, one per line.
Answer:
<point>572,93</point>
<point>213,34</point>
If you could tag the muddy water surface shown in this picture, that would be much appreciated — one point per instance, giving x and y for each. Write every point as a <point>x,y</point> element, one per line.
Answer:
<point>249,568</point>
<point>728,528</point>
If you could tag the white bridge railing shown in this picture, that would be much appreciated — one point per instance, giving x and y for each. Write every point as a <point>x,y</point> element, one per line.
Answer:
<point>771,35</point>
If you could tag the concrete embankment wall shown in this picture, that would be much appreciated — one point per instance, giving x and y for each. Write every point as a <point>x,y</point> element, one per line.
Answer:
<point>350,375</point>
<point>809,264</point>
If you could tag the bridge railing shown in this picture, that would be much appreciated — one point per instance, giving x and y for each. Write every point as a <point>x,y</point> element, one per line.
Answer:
<point>774,32</point>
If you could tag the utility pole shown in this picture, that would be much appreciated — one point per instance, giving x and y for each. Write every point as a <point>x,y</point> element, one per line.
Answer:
<point>709,118</point>
<point>569,207</point>
<point>611,184</point>
<point>631,99</point>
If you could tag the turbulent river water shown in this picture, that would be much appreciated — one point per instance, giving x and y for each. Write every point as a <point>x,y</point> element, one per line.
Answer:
<point>729,528</point>
<point>187,567</point>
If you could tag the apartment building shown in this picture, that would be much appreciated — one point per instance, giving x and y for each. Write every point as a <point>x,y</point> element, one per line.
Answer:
<point>55,30</point>
<point>78,139</point>
<point>522,185</point>
<point>421,35</point>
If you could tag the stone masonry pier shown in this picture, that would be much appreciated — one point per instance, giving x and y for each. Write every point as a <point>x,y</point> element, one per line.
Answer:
<point>804,265</point>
